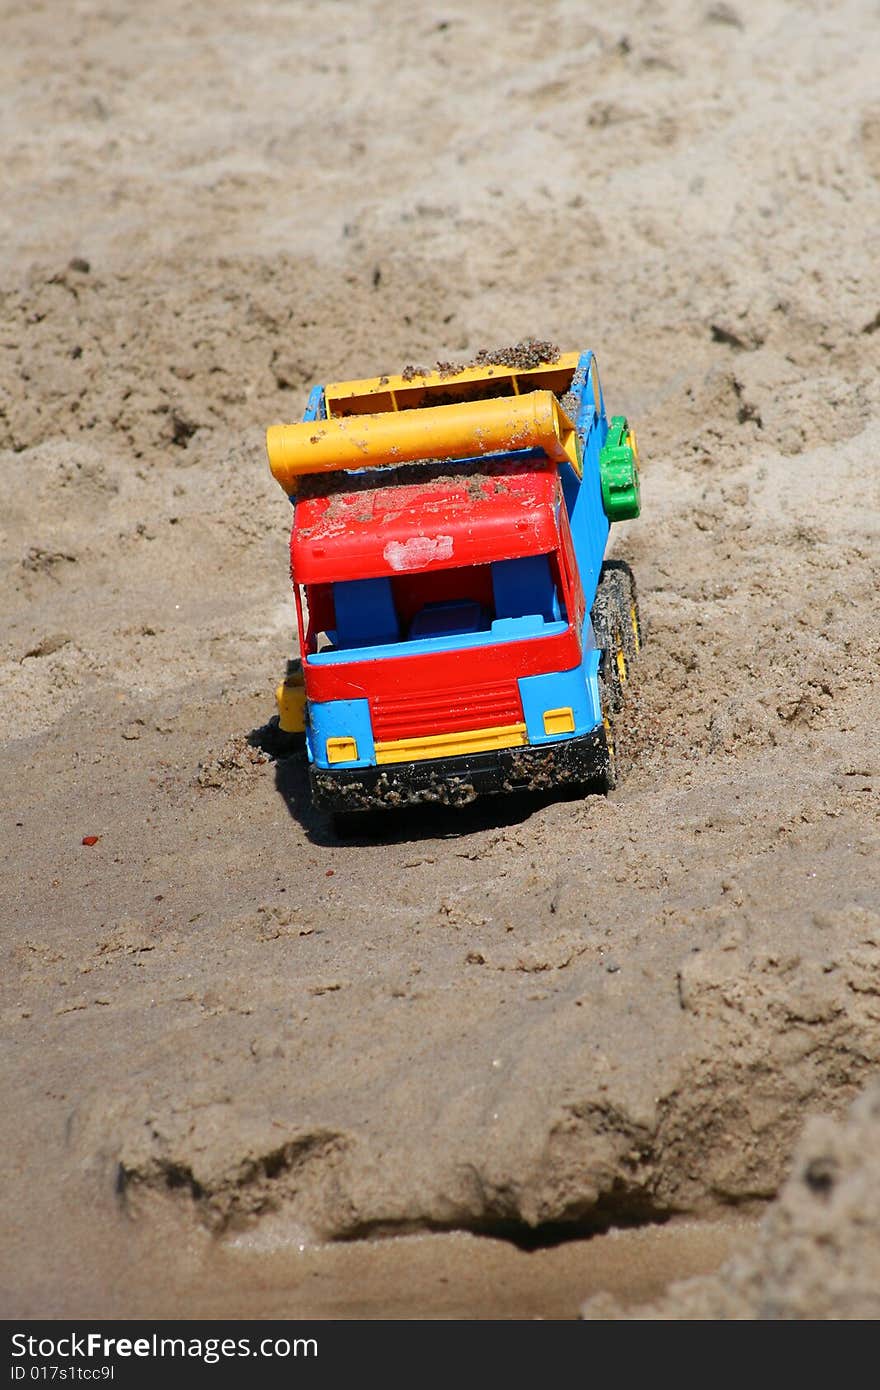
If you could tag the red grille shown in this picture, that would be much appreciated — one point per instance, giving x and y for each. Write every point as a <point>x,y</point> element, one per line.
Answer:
<point>446,712</point>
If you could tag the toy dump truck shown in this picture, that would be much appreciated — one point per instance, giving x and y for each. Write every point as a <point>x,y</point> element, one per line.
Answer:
<point>460,631</point>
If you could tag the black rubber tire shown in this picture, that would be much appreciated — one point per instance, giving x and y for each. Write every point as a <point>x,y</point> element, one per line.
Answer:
<point>609,776</point>
<point>617,627</point>
<point>605,617</point>
<point>623,583</point>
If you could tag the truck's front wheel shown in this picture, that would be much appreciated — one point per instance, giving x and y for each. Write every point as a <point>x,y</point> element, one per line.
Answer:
<point>618,633</point>
<point>608,778</point>
<point>616,629</point>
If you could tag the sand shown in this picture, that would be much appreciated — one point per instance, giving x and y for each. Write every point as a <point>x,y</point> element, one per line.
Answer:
<point>817,1251</point>
<point>521,1019</point>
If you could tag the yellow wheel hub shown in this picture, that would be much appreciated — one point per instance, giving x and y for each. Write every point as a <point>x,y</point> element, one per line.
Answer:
<point>633,617</point>
<point>620,658</point>
<point>609,738</point>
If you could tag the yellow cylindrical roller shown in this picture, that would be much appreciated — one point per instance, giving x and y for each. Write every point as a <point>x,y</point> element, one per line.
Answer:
<point>463,430</point>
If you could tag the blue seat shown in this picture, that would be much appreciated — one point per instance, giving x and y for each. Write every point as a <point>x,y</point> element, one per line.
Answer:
<point>365,613</point>
<point>447,619</point>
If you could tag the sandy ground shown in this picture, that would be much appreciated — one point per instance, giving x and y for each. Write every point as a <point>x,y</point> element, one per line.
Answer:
<point>816,1253</point>
<point>522,1019</point>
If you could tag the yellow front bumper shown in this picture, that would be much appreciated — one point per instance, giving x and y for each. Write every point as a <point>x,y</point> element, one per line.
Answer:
<point>413,750</point>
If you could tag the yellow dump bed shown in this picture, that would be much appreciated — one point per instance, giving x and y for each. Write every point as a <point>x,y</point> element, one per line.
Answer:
<point>384,421</point>
<point>445,387</point>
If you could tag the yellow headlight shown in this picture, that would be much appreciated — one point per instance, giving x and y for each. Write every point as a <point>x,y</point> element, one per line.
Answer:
<point>559,721</point>
<point>342,750</point>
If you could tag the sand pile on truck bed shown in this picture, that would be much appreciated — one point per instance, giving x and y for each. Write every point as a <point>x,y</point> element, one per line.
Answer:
<point>522,1018</point>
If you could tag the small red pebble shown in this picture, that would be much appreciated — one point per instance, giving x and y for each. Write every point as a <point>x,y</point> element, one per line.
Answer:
<point>330,873</point>
<point>91,839</point>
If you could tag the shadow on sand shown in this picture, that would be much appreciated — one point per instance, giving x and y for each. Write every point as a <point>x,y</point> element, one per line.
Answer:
<point>392,826</point>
